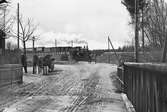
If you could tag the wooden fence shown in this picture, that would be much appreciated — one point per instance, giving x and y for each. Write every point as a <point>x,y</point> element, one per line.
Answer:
<point>10,74</point>
<point>145,85</point>
<point>10,67</point>
<point>10,57</point>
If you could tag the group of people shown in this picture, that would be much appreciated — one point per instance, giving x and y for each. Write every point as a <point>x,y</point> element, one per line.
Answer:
<point>45,64</point>
<point>40,64</point>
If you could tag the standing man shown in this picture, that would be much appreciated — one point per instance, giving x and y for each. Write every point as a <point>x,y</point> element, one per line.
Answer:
<point>23,61</point>
<point>40,65</point>
<point>95,57</point>
<point>35,63</point>
<point>89,57</point>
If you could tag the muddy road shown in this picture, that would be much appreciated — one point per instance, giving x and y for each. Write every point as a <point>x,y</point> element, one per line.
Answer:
<point>80,87</point>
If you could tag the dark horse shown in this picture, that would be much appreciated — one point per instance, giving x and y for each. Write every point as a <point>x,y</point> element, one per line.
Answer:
<point>48,61</point>
<point>35,63</point>
<point>43,63</point>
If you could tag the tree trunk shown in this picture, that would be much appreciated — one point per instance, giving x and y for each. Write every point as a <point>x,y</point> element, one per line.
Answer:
<point>24,46</point>
<point>25,54</point>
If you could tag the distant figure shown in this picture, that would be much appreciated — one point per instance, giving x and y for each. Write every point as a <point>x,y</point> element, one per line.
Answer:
<point>40,65</point>
<point>95,58</point>
<point>35,63</point>
<point>89,57</point>
<point>24,62</point>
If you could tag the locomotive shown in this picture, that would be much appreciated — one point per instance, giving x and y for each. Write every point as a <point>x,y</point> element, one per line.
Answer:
<point>81,55</point>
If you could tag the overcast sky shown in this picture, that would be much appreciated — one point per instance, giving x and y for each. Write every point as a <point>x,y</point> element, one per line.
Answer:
<point>89,20</point>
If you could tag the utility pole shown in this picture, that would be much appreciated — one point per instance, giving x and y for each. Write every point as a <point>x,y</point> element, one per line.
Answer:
<point>108,50</point>
<point>72,42</point>
<point>33,43</point>
<point>136,32</point>
<point>18,37</point>
<point>55,43</point>
<point>33,50</point>
<point>110,43</point>
<point>143,28</point>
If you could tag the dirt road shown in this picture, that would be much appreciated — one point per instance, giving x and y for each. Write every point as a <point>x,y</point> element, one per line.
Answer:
<point>81,87</point>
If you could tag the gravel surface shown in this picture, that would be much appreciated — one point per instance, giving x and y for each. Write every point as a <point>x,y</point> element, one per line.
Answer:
<point>79,87</point>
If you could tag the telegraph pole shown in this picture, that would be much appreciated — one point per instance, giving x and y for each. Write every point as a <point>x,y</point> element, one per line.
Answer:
<point>136,32</point>
<point>72,42</point>
<point>108,44</point>
<point>143,28</point>
<point>55,43</point>
<point>108,50</point>
<point>33,43</point>
<point>33,51</point>
<point>18,37</point>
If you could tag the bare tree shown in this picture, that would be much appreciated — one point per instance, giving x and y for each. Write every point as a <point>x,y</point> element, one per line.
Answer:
<point>27,31</point>
<point>156,25</point>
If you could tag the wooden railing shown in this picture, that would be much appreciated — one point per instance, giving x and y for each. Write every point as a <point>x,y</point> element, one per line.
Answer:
<point>145,85</point>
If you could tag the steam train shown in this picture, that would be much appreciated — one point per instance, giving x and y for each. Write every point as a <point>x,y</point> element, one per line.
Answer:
<point>81,54</point>
<point>76,53</point>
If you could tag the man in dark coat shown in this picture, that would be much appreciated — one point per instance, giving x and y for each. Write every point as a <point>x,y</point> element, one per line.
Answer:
<point>35,63</point>
<point>24,63</point>
<point>40,64</point>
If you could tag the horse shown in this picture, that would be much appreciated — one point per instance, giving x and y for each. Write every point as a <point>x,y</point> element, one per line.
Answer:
<point>43,63</point>
<point>47,63</point>
<point>35,63</point>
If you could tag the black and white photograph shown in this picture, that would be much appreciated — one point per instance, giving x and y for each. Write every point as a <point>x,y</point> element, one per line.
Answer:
<point>83,55</point>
